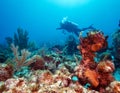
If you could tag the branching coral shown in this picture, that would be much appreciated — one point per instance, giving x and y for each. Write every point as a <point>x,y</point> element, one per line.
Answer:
<point>21,38</point>
<point>20,60</point>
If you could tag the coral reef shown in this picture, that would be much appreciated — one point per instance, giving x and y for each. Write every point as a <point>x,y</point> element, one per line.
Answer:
<point>20,59</point>
<point>41,81</point>
<point>116,47</point>
<point>9,41</point>
<point>21,38</point>
<point>46,62</point>
<point>117,74</point>
<point>114,87</point>
<point>107,55</point>
<point>54,72</point>
<point>6,72</point>
<point>98,75</point>
<point>2,56</point>
<point>45,82</point>
<point>70,46</point>
<point>89,45</point>
<point>23,72</point>
<point>4,53</point>
<point>38,63</point>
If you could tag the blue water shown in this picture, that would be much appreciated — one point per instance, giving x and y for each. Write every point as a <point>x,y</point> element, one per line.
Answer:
<point>41,17</point>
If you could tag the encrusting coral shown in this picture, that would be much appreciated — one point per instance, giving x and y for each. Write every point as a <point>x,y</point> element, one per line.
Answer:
<point>114,87</point>
<point>98,75</point>
<point>45,82</point>
<point>6,72</point>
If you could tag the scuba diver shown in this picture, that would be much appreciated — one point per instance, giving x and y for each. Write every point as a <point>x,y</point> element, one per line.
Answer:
<point>72,27</point>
